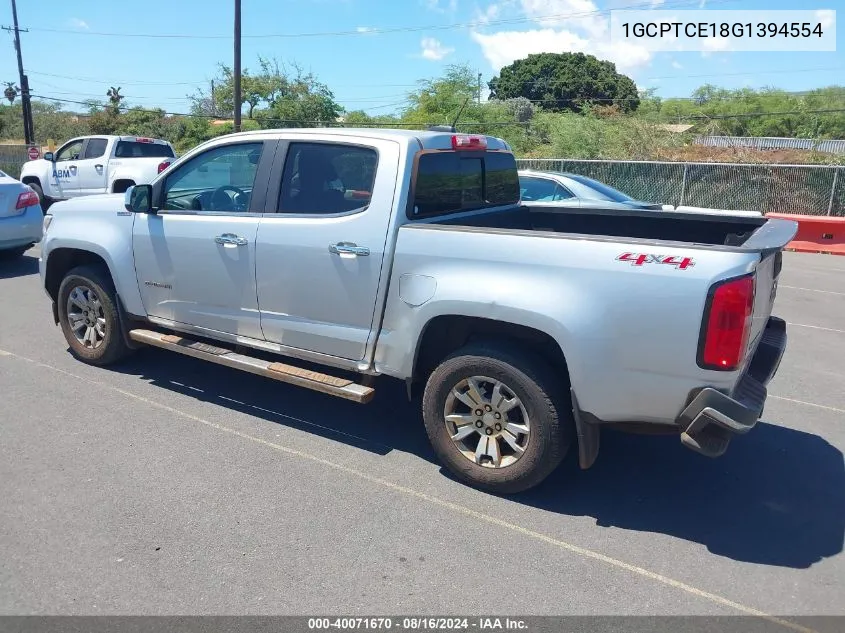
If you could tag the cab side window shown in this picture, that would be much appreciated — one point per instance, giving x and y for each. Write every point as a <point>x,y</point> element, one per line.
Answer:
<point>534,189</point>
<point>326,178</point>
<point>562,193</point>
<point>71,151</point>
<point>96,147</point>
<point>220,179</point>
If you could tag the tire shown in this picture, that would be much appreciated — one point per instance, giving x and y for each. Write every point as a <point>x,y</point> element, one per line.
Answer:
<point>45,203</point>
<point>541,393</point>
<point>109,346</point>
<point>122,186</point>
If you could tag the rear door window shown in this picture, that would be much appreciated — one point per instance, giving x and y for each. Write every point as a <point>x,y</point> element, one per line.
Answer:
<point>96,147</point>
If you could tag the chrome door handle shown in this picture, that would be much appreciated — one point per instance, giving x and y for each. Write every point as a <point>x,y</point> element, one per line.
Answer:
<point>231,238</point>
<point>348,248</point>
<point>98,166</point>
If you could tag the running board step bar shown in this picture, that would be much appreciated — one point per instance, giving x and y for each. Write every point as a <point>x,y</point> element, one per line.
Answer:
<point>332,385</point>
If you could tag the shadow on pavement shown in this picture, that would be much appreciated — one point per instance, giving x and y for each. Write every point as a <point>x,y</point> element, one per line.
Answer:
<point>17,266</point>
<point>777,497</point>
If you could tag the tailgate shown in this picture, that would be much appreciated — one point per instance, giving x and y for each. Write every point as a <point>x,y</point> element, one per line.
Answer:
<point>765,290</point>
<point>768,241</point>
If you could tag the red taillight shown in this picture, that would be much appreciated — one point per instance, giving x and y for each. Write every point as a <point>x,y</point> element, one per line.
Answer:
<point>27,199</point>
<point>163,165</point>
<point>728,324</point>
<point>467,141</point>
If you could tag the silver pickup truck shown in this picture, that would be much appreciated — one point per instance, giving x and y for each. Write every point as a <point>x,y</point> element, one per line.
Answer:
<point>393,254</point>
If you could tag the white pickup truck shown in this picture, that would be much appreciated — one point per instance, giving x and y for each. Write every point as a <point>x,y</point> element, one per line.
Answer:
<point>373,255</point>
<point>96,164</point>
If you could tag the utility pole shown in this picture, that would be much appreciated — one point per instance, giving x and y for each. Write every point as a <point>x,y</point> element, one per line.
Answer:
<point>213,100</point>
<point>479,88</point>
<point>237,65</point>
<point>28,128</point>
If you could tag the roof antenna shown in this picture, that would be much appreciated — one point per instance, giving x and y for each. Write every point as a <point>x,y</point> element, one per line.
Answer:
<point>458,115</point>
<point>449,128</point>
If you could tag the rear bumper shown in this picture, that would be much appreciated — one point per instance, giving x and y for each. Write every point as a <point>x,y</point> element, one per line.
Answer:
<point>21,230</point>
<point>711,420</point>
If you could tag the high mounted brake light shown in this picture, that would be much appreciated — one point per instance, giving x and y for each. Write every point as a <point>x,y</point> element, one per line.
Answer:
<point>727,324</point>
<point>143,139</point>
<point>469,142</point>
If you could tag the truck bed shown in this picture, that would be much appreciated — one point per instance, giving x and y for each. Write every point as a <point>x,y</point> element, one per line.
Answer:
<point>692,228</point>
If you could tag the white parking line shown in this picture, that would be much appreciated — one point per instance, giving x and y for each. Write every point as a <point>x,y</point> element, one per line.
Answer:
<point>809,404</point>
<point>454,507</point>
<point>827,292</point>
<point>816,327</point>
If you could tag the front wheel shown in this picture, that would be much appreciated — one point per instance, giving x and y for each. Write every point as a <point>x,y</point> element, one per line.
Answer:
<point>496,417</point>
<point>88,316</point>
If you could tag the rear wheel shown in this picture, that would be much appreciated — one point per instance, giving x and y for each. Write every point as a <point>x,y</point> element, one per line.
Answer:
<point>497,418</point>
<point>88,316</point>
<point>45,203</point>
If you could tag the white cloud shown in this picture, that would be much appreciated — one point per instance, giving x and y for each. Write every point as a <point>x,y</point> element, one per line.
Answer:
<point>656,3</point>
<point>492,12</point>
<point>560,26</point>
<point>441,6</point>
<point>78,24</point>
<point>572,14</point>
<point>364,29</point>
<point>716,44</point>
<point>676,65</point>
<point>825,17</point>
<point>505,47</point>
<point>432,49</point>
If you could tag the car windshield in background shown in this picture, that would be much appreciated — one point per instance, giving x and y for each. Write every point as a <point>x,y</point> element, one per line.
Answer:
<point>455,181</point>
<point>134,149</point>
<point>608,192</point>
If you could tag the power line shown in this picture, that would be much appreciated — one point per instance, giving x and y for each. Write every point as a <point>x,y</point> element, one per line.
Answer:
<point>753,72</point>
<point>275,120</point>
<point>111,81</point>
<point>529,82</point>
<point>691,116</point>
<point>381,31</point>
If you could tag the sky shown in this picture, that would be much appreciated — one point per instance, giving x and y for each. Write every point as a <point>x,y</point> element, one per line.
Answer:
<point>369,52</point>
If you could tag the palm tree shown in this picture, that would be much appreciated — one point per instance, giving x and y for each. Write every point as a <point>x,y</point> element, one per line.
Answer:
<point>115,97</point>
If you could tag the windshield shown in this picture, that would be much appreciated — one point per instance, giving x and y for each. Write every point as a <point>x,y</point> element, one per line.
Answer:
<point>608,192</point>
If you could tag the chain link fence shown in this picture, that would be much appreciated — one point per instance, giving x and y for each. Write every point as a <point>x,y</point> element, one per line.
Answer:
<point>801,189</point>
<point>12,158</point>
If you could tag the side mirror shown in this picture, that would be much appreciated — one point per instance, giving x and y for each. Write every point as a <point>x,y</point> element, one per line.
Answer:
<point>138,199</point>
<point>49,156</point>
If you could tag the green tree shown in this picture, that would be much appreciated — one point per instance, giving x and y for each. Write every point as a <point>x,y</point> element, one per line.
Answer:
<point>439,100</point>
<point>272,94</point>
<point>562,82</point>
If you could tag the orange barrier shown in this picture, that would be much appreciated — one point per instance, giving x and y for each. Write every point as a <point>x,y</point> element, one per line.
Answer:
<point>816,233</point>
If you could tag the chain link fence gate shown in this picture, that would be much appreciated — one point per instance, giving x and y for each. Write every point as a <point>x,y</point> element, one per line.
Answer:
<point>800,189</point>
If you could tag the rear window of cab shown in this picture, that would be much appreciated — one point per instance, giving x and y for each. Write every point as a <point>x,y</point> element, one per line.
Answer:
<point>447,182</point>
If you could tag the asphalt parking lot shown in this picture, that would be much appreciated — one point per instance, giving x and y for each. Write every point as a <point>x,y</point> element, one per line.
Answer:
<point>171,486</point>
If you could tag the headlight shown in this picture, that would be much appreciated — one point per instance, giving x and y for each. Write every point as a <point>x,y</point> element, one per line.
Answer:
<point>46,222</point>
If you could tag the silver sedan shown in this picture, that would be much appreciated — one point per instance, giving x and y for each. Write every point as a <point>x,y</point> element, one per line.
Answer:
<point>574,190</point>
<point>21,217</point>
